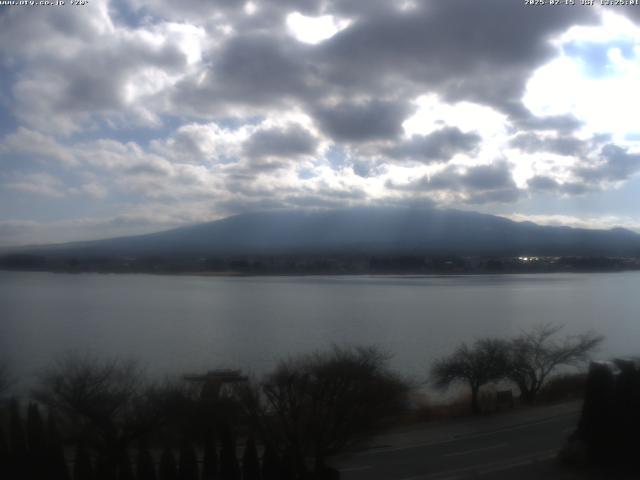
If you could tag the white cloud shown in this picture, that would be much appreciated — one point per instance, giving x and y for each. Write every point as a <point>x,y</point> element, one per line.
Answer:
<point>590,222</point>
<point>314,30</point>
<point>40,184</point>
<point>434,114</point>
<point>96,70</point>
<point>29,142</point>
<point>93,189</point>
<point>250,8</point>
<point>599,86</point>
<point>266,120</point>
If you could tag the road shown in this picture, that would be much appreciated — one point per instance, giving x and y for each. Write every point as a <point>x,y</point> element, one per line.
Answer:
<point>494,453</point>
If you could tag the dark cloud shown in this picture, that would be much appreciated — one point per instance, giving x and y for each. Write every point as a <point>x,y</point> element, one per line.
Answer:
<point>523,119</point>
<point>542,183</point>
<point>563,145</point>
<point>464,50</point>
<point>117,69</point>
<point>95,79</point>
<point>49,25</point>
<point>438,146</point>
<point>488,177</point>
<point>546,184</point>
<point>501,195</point>
<point>269,13</point>
<point>290,141</point>
<point>86,70</point>
<point>250,61</point>
<point>255,70</point>
<point>480,51</point>
<point>615,165</point>
<point>476,185</point>
<point>575,188</point>
<point>363,121</point>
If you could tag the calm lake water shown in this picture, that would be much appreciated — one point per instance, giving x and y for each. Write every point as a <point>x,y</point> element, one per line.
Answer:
<point>177,324</point>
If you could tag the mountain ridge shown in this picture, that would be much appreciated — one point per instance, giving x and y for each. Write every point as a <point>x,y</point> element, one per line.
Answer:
<point>359,230</point>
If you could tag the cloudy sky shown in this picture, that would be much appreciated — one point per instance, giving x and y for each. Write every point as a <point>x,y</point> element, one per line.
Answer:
<point>129,116</point>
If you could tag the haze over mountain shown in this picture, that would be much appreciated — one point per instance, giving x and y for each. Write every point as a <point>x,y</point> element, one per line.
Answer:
<point>361,231</point>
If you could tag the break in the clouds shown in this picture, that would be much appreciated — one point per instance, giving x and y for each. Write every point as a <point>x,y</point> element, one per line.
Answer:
<point>130,116</point>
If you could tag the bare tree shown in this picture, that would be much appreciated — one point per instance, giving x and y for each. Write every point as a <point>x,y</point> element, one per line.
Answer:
<point>314,406</point>
<point>483,362</point>
<point>537,353</point>
<point>108,401</point>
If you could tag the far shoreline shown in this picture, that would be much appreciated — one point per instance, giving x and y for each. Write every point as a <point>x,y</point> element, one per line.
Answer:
<point>388,274</point>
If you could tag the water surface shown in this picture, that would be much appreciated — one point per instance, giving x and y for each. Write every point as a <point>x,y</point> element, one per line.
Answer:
<point>175,324</point>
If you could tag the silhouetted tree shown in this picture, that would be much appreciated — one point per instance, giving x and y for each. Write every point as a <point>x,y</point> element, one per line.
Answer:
<point>316,405</point>
<point>108,400</point>
<point>250,462</point>
<point>229,467</point>
<point>483,362</point>
<point>82,466</point>
<point>185,413</point>
<point>36,431</point>
<point>168,469</point>
<point>145,467</point>
<point>188,464</point>
<point>6,466</point>
<point>57,464</point>
<point>105,468</point>
<point>125,471</point>
<point>37,440</point>
<point>290,468</point>
<point>270,464</point>
<point>536,354</point>
<point>20,465</point>
<point>210,459</point>
<point>597,425</point>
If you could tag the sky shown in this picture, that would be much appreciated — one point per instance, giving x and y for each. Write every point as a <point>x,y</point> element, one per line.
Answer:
<point>121,117</point>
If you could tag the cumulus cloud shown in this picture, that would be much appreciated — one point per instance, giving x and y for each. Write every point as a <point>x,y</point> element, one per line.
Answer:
<point>474,185</point>
<point>362,121</point>
<point>35,145</point>
<point>438,146</point>
<point>94,69</point>
<point>223,107</point>
<point>562,145</point>
<point>41,184</point>
<point>615,165</point>
<point>288,142</point>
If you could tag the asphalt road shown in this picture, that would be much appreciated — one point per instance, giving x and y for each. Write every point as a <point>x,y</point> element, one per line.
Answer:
<point>522,448</point>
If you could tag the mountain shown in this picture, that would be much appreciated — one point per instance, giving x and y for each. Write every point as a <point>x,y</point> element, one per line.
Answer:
<point>370,230</point>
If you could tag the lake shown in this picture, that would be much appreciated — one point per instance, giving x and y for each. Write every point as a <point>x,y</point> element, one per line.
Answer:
<point>176,324</point>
